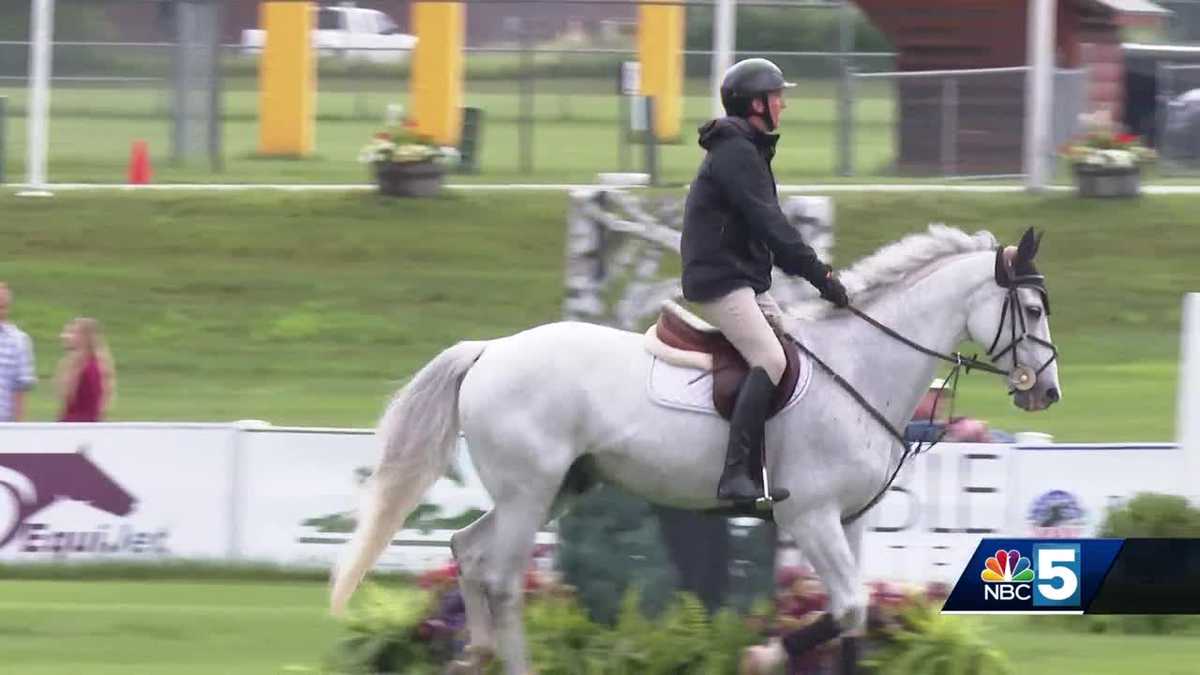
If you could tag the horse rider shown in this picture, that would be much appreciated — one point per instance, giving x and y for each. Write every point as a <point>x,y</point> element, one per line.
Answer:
<point>733,232</point>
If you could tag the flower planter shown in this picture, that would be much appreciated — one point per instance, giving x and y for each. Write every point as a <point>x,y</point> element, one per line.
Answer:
<point>1108,181</point>
<point>409,179</point>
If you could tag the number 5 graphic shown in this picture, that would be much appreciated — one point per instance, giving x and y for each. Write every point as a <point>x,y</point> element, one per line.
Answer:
<point>1058,569</point>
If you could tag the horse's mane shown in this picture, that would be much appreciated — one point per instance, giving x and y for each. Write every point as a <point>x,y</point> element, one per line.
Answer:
<point>894,262</point>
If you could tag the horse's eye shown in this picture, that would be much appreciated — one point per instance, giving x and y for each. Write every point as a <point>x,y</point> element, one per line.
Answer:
<point>1034,313</point>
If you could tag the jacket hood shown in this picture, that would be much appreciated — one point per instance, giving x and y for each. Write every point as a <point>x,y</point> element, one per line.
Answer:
<point>717,130</point>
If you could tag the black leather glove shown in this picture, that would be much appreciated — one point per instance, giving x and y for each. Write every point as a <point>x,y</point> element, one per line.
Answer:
<point>833,290</point>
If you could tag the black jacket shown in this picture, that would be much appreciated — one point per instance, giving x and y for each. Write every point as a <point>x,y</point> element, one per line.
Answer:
<point>733,228</point>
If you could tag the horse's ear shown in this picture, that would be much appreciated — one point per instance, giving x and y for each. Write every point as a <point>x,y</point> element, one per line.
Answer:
<point>1028,247</point>
<point>1004,265</point>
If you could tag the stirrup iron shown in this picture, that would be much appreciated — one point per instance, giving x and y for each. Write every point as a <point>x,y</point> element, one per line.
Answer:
<point>766,502</point>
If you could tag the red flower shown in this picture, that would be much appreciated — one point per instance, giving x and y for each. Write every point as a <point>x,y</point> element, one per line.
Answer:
<point>532,582</point>
<point>1126,139</point>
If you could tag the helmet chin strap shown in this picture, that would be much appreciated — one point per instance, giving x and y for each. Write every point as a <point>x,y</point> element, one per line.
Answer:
<point>766,113</point>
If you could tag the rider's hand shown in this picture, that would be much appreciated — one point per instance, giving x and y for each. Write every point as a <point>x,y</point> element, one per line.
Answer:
<point>833,290</point>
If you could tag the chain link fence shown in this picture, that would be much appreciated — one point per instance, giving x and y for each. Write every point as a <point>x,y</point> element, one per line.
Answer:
<point>1178,118</point>
<point>950,123</point>
<point>543,76</point>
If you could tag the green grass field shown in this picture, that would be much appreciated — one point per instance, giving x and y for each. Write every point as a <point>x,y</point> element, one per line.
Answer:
<point>148,627</point>
<point>309,309</point>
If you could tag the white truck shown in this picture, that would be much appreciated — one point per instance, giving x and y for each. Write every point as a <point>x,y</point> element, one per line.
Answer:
<point>354,33</point>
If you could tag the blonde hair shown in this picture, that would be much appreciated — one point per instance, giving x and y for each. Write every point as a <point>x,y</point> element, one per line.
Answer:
<point>91,343</point>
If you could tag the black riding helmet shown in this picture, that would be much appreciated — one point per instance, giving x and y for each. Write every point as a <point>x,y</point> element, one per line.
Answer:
<point>749,79</point>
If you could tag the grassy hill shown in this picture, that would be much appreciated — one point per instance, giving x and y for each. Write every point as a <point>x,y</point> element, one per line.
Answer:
<point>310,308</point>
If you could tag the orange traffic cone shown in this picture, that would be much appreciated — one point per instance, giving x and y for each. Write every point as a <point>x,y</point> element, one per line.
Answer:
<point>140,170</point>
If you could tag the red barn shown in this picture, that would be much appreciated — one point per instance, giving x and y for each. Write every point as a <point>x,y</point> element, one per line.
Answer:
<point>960,34</point>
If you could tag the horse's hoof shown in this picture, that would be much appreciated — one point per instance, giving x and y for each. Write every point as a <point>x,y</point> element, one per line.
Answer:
<point>765,659</point>
<point>475,662</point>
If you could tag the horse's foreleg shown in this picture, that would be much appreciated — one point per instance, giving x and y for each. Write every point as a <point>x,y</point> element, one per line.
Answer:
<point>825,546</point>
<point>849,648</point>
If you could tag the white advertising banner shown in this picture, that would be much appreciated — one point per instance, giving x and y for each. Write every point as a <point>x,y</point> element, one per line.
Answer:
<point>290,495</point>
<point>302,488</point>
<point>101,491</point>
<point>1065,490</point>
<point>945,501</point>
<point>941,504</point>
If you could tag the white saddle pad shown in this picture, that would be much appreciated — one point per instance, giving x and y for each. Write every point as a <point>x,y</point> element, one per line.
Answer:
<point>692,389</point>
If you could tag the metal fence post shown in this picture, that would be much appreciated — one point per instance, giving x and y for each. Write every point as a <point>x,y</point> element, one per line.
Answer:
<point>651,142</point>
<point>949,126</point>
<point>525,127</point>
<point>3,136</point>
<point>845,44</point>
<point>216,125</point>
<point>1161,104</point>
<point>845,136</point>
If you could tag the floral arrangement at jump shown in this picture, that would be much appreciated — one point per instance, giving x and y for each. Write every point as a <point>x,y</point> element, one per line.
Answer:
<point>406,145</point>
<point>1103,145</point>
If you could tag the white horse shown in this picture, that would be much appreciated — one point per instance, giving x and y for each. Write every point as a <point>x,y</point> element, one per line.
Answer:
<point>533,404</point>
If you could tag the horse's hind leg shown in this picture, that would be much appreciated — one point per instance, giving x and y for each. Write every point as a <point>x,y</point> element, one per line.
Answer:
<point>522,466</point>
<point>469,546</point>
<point>518,519</point>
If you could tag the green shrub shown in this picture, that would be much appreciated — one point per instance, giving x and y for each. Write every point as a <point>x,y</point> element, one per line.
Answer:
<point>1151,514</point>
<point>385,635</point>
<point>931,643</point>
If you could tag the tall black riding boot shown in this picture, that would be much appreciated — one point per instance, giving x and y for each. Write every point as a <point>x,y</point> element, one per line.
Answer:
<point>745,437</point>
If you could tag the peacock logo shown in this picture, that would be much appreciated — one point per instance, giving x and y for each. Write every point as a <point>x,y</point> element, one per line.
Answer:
<point>1007,567</point>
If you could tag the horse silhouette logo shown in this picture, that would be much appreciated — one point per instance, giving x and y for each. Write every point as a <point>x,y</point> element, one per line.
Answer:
<point>29,482</point>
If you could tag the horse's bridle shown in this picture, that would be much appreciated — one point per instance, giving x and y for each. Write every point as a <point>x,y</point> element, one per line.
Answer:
<point>1020,377</point>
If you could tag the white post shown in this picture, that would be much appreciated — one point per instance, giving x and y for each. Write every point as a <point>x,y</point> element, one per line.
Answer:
<point>1038,93</point>
<point>41,31</point>
<point>1187,414</point>
<point>724,44</point>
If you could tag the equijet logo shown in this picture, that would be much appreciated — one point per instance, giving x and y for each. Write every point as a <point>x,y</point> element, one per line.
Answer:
<point>31,482</point>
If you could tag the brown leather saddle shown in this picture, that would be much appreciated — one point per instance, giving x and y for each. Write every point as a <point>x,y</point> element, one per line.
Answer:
<point>729,368</point>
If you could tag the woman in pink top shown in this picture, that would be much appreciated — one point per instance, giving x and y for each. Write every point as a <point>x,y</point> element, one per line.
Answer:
<point>86,377</point>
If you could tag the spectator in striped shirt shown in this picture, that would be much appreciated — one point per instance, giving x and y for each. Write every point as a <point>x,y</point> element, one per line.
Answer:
<point>17,374</point>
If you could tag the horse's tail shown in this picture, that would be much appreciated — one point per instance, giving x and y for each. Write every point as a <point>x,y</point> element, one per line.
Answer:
<point>418,433</point>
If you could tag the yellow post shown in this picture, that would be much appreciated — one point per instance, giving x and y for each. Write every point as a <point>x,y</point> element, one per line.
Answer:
<point>436,83</point>
<point>287,73</point>
<point>660,50</point>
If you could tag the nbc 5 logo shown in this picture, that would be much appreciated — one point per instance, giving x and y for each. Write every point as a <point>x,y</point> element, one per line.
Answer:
<point>1050,579</point>
<point>1058,574</point>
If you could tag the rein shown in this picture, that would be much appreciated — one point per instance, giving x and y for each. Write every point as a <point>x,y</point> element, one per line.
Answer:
<point>1020,378</point>
<point>909,449</point>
